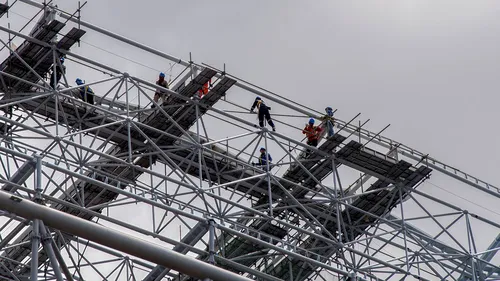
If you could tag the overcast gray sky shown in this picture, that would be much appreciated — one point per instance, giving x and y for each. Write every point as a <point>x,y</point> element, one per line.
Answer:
<point>428,68</point>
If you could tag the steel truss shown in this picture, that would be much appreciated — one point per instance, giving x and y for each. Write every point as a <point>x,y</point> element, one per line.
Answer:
<point>180,176</point>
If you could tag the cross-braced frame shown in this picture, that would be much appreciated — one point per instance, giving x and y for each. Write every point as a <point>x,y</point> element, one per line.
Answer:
<point>178,173</point>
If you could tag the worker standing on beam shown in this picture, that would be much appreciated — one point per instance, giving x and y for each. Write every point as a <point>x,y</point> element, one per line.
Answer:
<point>263,112</point>
<point>312,133</point>
<point>58,73</point>
<point>86,93</point>
<point>160,93</point>
<point>328,119</point>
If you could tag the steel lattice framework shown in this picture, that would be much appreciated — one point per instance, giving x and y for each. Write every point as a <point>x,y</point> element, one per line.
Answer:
<point>180,176</point>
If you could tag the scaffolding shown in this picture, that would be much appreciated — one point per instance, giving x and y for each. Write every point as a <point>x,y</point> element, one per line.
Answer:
<point>179,175</point>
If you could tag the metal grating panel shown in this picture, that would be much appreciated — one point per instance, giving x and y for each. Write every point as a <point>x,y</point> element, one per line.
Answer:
<point>95,195</point>
<point>70,38</point>
<point>3,9</point>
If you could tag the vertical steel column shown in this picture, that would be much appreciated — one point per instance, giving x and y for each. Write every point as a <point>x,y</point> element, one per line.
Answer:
<point>47,246</point>
<point>35,239</point>
<point>337,205</point>
<point>469,240</point>
<point>125,77</point>
<point>193,69</point>
<point>55,90</point>
<point>35,235</point>
<point>290,269</point>
<point>268,172</point>
<point>211,241</point>
<point>403,224</point>
<point>60,259</point>
<point>198,139</point>
<point>197,107</point>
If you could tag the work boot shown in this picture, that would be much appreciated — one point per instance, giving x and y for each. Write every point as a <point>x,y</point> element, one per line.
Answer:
<point>274,129</point>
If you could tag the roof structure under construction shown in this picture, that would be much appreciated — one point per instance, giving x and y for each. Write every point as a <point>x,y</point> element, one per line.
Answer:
<point>101,180</point>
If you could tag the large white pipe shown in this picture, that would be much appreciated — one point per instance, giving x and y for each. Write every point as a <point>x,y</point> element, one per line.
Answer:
<point>114,239</point>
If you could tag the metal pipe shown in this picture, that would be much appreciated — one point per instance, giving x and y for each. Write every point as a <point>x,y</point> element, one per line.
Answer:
<point>431,164</point>
<point>62,264</point>
<point>35,239</point>
<point>26,65</point>
<point>47,246</point>
<point>286,252</point>
<point>268,172</point>
<point>112,35</point>
<point>114,239</point>
<point>211,241</point>
<point>278,99</point>
<point>35,235</point>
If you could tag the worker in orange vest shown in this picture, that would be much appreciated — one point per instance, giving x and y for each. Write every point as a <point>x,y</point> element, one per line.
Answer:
<point>204,89</point>
<point>312,133</point>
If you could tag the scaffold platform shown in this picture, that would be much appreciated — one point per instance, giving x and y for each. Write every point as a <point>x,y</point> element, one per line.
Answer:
<point>287,223</point>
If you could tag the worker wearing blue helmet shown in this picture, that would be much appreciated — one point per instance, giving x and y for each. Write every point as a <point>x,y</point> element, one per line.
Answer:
<point>312,133</point>
<point>57,73</point>
<point>86,93</point>
<point>263,158</point>
<point>159,93</point>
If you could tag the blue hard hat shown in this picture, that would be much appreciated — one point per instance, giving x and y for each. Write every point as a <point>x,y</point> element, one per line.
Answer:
<point>257,98</point>
<point>79,81</point>
<point>263,148</point>
<point>328,109</point>
<point>62,59</point>
<point>162,74</point>
<point>311,121</point>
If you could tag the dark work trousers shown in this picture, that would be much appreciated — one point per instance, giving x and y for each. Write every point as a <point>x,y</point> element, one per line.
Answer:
<point>56,76</point>
<point>54,79</point>
<point>87,96</point>
<point>313,142</point>
<point>90,98</point>
<point>264,113</point>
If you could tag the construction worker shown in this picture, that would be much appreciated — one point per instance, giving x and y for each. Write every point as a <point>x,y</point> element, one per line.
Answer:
<point>329,120</point>
<point>263,158</point>
<point>159,93</point>
<point>312,133</point>
<point>263,112</point>
<point>58,73</point>
<point>86,93</point>
<point>204,89</point>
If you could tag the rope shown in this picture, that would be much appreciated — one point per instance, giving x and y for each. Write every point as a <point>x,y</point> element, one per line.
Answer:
<point>463,198</point>
<point>122,57</point>
<point>274,114</point>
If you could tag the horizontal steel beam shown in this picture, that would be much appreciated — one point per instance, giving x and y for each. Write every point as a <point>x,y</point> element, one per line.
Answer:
<point>111,34</point>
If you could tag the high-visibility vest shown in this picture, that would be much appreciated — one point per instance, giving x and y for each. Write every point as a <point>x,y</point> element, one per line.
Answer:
<point>86,90</point>
<point>312,132</point>
<point>205,88</point>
